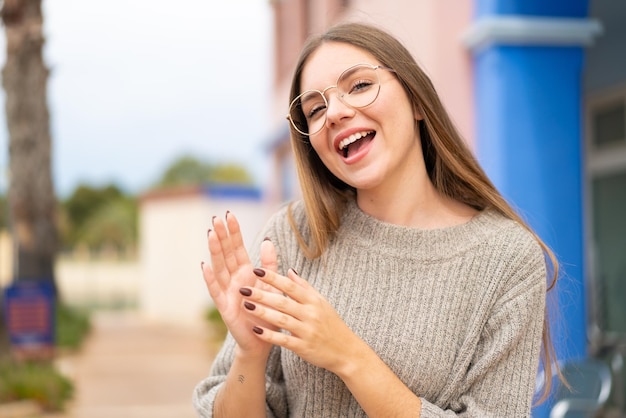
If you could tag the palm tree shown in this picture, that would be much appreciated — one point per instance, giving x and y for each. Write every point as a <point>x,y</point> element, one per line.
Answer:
<point>31,193</point>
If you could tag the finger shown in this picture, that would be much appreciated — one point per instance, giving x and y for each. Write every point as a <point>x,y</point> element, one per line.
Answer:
<point>272,300</point>
<point>218,264</point>
<point>239,248</point>
<point>279,338</point>
<point>215,290</point>
<point>297,291</point>
<point>273,317</point>
<point>293,275</point>
<point>269,260</point>
<point>226,243</point>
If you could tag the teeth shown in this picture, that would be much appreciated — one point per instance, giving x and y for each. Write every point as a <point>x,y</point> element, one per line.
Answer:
<point>353,138</point>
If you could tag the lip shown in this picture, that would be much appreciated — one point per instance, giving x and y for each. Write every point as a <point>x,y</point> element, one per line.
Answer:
<point>360,154</point>
<point>344,134</point>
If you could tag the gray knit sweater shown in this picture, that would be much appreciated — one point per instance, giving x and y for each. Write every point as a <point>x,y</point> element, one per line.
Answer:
<point>456,313</point>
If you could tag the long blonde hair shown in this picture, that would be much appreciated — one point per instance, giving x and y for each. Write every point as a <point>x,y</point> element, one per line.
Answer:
<point>450,164</point>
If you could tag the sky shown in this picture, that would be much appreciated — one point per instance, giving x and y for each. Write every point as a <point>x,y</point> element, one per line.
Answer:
<point>134,84</point>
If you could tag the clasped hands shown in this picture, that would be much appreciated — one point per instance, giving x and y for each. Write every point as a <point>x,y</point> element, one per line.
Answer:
<point>262,308</point>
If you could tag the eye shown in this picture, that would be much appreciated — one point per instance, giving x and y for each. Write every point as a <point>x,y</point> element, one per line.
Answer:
<point>315,111</point>
<point>313,105</point>
<point>358,86</point>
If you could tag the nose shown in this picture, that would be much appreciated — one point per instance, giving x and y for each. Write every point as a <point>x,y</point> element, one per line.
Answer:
<point>337,110</point>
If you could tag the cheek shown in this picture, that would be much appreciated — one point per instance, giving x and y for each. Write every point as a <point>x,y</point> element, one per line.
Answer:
<point>320,146</point>
<point>326,154</point>
<point>398,116</point>
<point>395,103</point>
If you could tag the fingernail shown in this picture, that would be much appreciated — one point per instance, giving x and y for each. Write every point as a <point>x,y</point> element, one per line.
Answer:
<point>202,265</point>
<point>257,330</point>
<point>266,239</point>
<point>208,232</point>
<point>294,270</point>
<point>259,272</point>
<point>249,306</point>
<point>213,220</point>
<point>227,213</point>
<point>245,291</point>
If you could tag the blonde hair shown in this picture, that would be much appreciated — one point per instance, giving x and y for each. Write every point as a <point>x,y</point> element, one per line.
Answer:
<point>450,164</point>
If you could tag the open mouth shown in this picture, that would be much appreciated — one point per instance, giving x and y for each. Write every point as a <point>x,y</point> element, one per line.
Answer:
<point>354,142</point>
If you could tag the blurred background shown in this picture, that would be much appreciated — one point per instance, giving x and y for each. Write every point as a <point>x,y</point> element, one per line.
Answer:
<point>128,125</point>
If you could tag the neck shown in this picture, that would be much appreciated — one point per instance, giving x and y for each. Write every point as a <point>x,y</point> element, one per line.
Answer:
<point>414,203</point>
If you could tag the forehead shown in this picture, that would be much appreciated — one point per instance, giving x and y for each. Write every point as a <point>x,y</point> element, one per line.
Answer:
<point>331,59</point>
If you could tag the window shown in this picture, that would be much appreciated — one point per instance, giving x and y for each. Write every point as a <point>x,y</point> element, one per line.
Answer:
<point>609,124</point>
<point>606,211</point>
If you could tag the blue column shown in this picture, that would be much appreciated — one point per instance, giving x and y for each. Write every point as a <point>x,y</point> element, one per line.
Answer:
<point>529,142</point>
<point>528,62</point>
<point>550,8</point>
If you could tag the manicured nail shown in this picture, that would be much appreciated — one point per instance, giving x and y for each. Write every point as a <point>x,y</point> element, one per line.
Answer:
<point>227,213</point>
<point>257,330</point>
<point>245,291</point>
<point>259,272</point>
<point>213,220</point>
<point>294,270</point>
<point>208,232</point>
<point>267,239</point>
<point>249,306</point>
<point>202,265</point>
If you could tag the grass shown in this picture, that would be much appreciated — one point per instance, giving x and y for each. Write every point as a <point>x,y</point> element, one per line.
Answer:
<point>72,326</point>
<point>37,381</point>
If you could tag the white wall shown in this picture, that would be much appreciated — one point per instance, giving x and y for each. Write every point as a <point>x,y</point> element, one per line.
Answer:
<point>173,244</point>
<point>98,283</point>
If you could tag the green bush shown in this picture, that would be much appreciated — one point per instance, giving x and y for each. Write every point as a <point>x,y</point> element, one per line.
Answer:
<point>38,381</point>
<point>217,323</point>
<point>72,326</point>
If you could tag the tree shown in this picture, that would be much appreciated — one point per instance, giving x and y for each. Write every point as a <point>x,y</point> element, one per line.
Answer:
<point>114,226</point>
<point>99,217</point>
<point>31,193</point>
<point>188,170</point>
<point>82,205</point>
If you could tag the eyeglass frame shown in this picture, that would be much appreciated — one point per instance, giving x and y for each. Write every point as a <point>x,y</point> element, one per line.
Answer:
<point>339,96</point>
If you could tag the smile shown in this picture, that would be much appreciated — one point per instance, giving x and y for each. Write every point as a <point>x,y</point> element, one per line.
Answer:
<point>344,145</point>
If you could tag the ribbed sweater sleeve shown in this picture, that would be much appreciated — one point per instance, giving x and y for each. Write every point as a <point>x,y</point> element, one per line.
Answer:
<point>457,313</point>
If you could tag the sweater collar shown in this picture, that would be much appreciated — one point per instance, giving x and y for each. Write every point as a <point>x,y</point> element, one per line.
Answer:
<point>364,230</point>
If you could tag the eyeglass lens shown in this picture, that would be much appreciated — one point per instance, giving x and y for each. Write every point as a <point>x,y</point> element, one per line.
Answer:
<point>358,86</point>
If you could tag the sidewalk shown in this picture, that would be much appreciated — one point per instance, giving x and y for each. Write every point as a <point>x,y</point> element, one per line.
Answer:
<point>133,368</point>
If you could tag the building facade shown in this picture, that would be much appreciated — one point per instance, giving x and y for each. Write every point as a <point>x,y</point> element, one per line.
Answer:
<point>173,242</point>
<point>538,89</point>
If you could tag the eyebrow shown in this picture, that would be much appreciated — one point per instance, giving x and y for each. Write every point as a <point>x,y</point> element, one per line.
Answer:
<point>351,70</point>
<point>309,95</point>
<point>347,72</point>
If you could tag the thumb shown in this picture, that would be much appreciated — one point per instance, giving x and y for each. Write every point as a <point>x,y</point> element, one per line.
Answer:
<point>269,259</point>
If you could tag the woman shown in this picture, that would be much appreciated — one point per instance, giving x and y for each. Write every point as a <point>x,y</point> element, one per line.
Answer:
<point>401,285</point>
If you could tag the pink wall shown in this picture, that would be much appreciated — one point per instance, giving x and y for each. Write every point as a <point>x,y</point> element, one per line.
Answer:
<point>431,30</point>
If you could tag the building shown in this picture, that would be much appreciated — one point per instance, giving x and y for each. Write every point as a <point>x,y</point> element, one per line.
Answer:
<point>173,243</point>
<point>538,89</point>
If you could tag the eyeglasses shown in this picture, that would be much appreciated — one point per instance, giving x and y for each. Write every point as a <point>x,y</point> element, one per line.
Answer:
<point>358,86</point>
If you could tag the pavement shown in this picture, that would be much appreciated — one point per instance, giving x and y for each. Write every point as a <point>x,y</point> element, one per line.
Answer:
<point>130,367</point>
